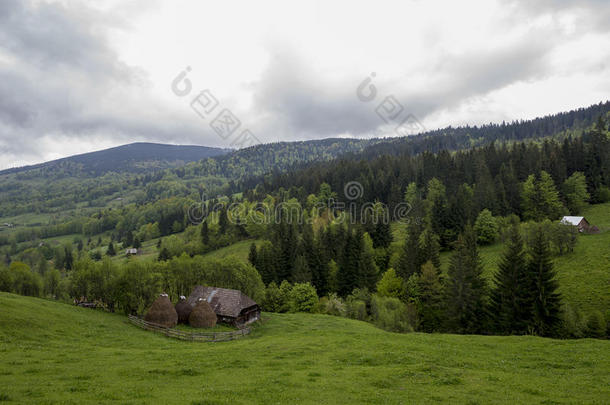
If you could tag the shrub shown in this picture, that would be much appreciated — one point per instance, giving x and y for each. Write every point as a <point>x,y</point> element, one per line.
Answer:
<point>273,298</point>
<point>356,309</point>
<point>25,282</point>
<point>303,297</point>
<point>285,290</point>
<point>596,325</point>
<point>334,305</point>
<point>390,314</point>
<point>52,280</point>
<point>574,322</point>
<point>6,279</point>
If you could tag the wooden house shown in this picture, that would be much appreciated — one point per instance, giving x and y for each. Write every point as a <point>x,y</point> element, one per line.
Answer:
<point>231,306</point>
<point>579,222</point>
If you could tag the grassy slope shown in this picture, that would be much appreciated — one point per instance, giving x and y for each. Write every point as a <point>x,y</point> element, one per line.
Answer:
<point>56,353</point>
<point>239,249</point>
<point>584,275</point>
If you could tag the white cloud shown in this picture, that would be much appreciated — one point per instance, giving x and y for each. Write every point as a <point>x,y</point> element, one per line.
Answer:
<point>74,78</point>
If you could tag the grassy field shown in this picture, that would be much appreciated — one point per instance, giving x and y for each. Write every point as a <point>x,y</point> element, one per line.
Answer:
<point>583,275</point>
<point>239,250</point>
<point>53,353</point>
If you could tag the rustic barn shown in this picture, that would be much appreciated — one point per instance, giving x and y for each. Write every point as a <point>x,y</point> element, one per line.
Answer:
<point>231,306</point>
<point>162,312</point>
<point>132,251</point>
<point>579,222</point>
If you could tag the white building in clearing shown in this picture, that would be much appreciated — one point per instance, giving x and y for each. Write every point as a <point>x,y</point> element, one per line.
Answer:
<point>579,222</point>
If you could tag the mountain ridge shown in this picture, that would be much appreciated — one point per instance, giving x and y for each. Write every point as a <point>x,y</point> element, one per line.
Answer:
<point>124,154</point>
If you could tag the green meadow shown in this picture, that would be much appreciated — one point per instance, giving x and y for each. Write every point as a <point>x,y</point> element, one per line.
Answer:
<point>53,353</point>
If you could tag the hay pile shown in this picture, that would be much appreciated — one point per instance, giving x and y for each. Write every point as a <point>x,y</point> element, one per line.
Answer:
<point>183,309</point>
<point>162,312</point>
<point>202,316</point>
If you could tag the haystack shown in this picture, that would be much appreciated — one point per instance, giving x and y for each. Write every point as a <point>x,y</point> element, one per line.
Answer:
<point>202,316</point>
<point>183,309</point>
<point>162,312</point>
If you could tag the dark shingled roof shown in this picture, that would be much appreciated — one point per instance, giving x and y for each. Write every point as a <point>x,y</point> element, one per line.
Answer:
<point>224,301</point>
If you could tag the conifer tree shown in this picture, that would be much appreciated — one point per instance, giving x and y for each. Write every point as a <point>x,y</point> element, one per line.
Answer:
<point>314,253</point>
<point>597,161</point>
<point>205,232</point>
<point>484,195</point>
<point>223,221</point>
<point>430,298</point>
<point>164,255</point>
<point>368,271</point>
<point>301,272</point>
<point>438,213</point>
<point>546,300</point>
<point>429,248</point>
<point>252,255</point>
<point>110,251</point>
<point>347,276</point>
<point>128,240</point>
<point>266,262</point>
<point>382,236</point>
<point>511,299</point>
<point>410,259</point>
<point>467,289</point>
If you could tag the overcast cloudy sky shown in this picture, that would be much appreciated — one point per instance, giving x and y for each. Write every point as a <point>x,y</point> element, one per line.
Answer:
<point>82,76</point>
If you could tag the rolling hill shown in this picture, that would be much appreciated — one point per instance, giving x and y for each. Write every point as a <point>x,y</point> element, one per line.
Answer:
<point>135,157</point>
<point>57,353</point>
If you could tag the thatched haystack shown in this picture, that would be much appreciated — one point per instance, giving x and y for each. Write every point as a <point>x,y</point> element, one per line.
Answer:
<point>183,309</point>
<point>162,312</point>
<point>202,316</point>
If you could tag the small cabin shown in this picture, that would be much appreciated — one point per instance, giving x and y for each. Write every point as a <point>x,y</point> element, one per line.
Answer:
<point>231,306</point>
<point>131,251</point>
<point>580,223</point>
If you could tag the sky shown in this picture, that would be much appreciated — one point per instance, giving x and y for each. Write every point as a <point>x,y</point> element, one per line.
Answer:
<point>79,76</point>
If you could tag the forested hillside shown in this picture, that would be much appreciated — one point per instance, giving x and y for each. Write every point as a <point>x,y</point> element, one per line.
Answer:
<point>97,179</point>
<point>136,157</point>
<point>359,235</point>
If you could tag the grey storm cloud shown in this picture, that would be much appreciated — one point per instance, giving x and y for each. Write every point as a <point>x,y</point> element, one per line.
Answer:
<point>60,75</point>
<point>310,106</point>
<point>306,104</point>
<point>61,72</point>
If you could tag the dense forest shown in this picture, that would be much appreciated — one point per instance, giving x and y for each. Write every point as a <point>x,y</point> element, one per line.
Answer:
<point>72,183</point>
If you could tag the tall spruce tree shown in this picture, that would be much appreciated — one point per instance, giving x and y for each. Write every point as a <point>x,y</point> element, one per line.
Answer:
<point>410,259</point>
<point>429,248</point>
<point>205,232</point>
<point>266,262</point>
<point>546,304</point>
<point>467,289</point>
<point>368,271</point>
<point>110,251</point>
<point>223,221</point>
<point>430,298</point>
<point>512,299</point>
<point>252,255</point>
<point>347,278</point>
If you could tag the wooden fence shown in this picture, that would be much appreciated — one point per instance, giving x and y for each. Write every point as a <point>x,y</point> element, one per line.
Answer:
<point>190,336</point>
